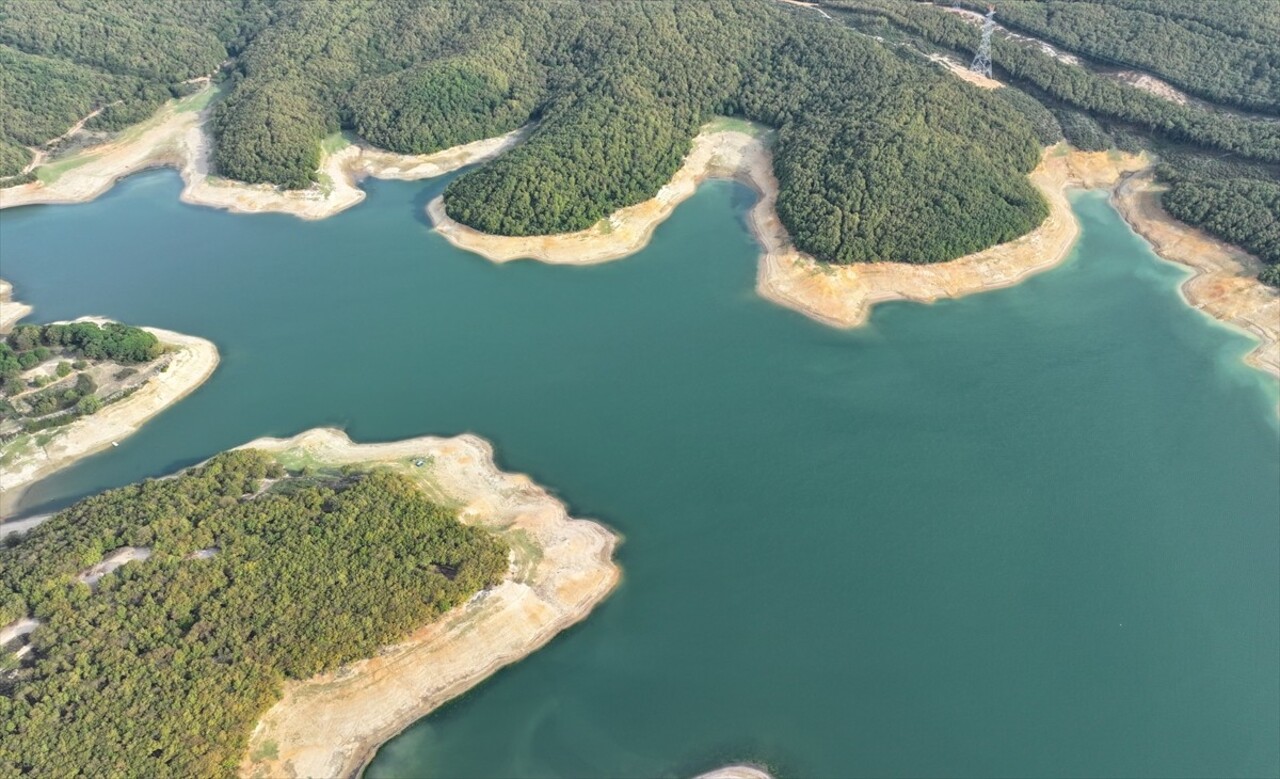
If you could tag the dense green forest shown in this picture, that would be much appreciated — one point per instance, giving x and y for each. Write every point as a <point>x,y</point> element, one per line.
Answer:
<point>1080,88</point>
<point>1220,167</point>
<point>1244,211</point>
<point>618,90</point>
<point>880,156</point>
<point>1227,52</point>
<point>62,59</point>
<point>165,668</point>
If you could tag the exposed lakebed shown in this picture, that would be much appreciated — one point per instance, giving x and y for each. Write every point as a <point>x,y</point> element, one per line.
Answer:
<point>1032,531</point>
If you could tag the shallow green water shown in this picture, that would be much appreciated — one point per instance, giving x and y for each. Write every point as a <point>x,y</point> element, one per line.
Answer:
<point>1031,532</point>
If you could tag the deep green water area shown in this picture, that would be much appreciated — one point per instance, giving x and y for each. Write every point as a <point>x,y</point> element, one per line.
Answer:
<point>1033,532</point>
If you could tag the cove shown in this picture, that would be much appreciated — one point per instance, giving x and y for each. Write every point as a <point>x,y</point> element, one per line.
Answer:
<point>1029,532</point>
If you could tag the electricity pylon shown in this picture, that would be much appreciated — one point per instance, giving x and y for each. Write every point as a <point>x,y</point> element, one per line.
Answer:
<point>982,60</point>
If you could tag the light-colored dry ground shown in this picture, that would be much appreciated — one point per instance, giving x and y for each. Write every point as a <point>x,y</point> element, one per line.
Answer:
<point>192,363</point>
<point>562,567</point>
<point>10,310</point>
<point>1224,280</point>
<point>9,527</point>
<point>963,73</point>
<point>176,138</point>
<point>113,560</point>
<point>1149,83</point>
<point>810,6</point>
<point>17,628</point>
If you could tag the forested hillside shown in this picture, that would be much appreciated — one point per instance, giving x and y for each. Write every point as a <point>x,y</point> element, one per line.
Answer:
<point>1241,207</point>
<point>879,154</point>
<point>1221,167</point>
<point>62,59</point>
<point>163,669</point>
<point>618,90</point>
<point>1227,51</point>
<point>1080,88</point>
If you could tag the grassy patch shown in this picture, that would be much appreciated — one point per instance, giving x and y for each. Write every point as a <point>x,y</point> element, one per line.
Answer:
<point>267,750</point>
<point>527,553</point>
<point>734,124</point>
<point>335,142</point>
<point>47,174</point>
<point>14,449</point>
<point>196,101</point>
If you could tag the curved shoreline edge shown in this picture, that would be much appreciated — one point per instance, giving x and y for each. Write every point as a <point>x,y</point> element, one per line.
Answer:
<point>333,724</point>
<point>1223,280</point>
<point>11,310</point>
<point>175,137</point>
<point>843,296</point>
<point>192,364</point>
<point>839,296</point>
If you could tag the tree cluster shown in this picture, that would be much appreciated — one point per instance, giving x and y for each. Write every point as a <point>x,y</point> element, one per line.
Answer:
<point>165,668</point>
<point>1240,210</point>
<point>112,341</point>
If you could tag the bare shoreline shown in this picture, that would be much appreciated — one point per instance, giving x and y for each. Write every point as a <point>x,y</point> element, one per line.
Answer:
<point>1223,281</point>
<point>175,137</point>
<point>193,363</point>
<point>11,310</point>
<point>332,725</point>
<point>843,296</point>
<point>840,296</point>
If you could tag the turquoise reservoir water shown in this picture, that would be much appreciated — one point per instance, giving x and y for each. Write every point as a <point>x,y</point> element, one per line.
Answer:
<point>1031,532</point>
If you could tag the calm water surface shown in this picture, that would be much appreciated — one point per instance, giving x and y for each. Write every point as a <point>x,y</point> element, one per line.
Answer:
<point>1031,532</point>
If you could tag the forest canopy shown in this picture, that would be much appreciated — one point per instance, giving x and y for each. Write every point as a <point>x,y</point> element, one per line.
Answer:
<point>254,577</point>
<point>880,155</point>
<point>617,90</point>
<point>1226,52</point>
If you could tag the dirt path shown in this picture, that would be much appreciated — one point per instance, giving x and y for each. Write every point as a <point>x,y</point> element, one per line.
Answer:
<point>11,311</point>
<point>562,567</point>
<point>175,137</point>
<point>193,363</point>
<point>964,74</point>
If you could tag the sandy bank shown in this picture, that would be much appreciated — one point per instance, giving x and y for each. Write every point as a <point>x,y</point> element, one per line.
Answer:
<point>1224,280</point>
<point>192,363</point>
<point>562,567</point>
<point>726,154</point>
<point>10,310</point>
<point>838,295</point>
<point>175,137</point>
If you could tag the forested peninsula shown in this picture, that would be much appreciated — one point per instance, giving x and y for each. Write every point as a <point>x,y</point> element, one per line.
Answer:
<point>230,593</point>
<point>70,389</point>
